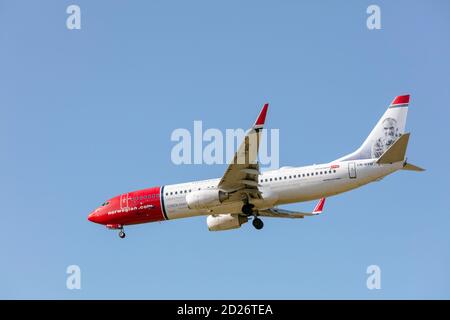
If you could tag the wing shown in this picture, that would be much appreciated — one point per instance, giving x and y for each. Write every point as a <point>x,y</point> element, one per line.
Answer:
<point>241,177</point>
<point>281,213</point>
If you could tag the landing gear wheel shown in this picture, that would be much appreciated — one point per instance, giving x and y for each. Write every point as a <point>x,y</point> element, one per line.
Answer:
<point>247,209</point>
<point>258,223</point>
<point>122,234</point>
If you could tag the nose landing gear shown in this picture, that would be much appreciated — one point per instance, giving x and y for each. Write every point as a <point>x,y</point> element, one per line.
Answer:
<point>117,227</point>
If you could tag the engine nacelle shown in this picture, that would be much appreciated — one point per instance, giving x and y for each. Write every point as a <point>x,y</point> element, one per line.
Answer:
<point>222,222</point>
<point>205,199</point>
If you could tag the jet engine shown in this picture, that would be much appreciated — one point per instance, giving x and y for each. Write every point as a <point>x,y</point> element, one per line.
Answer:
<point>220,222</point>
<point>204,199</point>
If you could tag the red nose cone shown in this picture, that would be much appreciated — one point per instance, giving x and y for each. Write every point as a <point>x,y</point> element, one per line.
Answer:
<point>92,217</point>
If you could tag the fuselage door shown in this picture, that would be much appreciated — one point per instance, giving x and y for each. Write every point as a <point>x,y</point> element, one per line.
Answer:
<point>124,201</point>
<point>352,170</point>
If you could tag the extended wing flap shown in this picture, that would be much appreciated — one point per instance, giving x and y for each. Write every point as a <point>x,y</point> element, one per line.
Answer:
<point>283,213</point>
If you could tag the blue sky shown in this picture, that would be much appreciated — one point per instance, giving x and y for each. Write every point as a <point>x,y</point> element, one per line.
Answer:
<point>87,114</point>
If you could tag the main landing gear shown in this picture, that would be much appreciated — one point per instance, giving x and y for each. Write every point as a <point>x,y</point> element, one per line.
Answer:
<point>257,223</point>
<point>247,209</point>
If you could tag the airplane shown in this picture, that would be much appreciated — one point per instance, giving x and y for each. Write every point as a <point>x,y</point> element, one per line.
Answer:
<point>245,192</point>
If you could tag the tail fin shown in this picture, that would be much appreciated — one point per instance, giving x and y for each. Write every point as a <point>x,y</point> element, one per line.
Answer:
<point>389,128</point>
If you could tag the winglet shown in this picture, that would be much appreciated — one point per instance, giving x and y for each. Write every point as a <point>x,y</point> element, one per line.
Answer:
<point>262,117</point>
<point>319,207</point>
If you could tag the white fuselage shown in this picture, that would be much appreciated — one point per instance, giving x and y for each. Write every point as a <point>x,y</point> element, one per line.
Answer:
<point>283,186</point>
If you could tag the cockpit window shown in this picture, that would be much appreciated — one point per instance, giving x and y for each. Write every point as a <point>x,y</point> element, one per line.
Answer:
<point>105,203</point>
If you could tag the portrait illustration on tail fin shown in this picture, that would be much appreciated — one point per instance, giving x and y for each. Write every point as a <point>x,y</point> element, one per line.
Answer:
<point>390,135</point>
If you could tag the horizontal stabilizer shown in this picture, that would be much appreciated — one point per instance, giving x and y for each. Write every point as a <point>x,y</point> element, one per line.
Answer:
<point>396,151</point>
<point>411,167</point>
